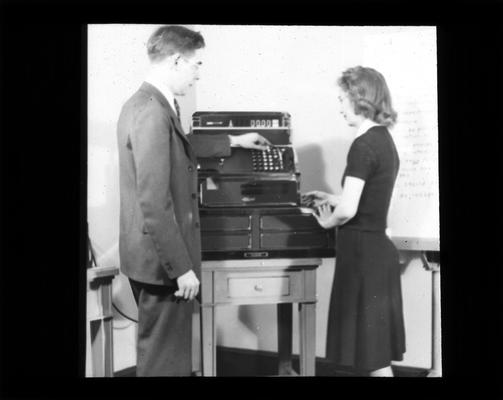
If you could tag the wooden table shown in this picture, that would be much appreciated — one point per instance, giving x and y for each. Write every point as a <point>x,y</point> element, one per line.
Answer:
<point>99,321</point>
<point>267,281</point>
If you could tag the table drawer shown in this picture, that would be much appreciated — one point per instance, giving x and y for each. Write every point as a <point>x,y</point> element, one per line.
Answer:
<point>294,240</point>
<point>226,223</point>
<point>236,286</point>
<point>289,223</point>
<point>211,241</point>
<point>258,287</point>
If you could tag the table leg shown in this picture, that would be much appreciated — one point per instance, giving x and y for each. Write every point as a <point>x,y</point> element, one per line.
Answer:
<point>100,327</point>
<point>307,322</point>
<point>436,368</point>
<point>97,348</point>
<point>102,347</point>
<point>208,340</point>
<point>284,311</point>
<point>196,340</point>
<point>109,346</point>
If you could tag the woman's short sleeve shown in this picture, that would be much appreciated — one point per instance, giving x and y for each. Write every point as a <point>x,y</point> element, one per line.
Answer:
<point>361,160</point>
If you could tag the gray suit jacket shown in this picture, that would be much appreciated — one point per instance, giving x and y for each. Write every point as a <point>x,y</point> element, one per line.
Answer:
<point>159,236</point>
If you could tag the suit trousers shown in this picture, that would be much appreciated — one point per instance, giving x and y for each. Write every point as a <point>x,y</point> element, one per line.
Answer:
<point>164,342</point>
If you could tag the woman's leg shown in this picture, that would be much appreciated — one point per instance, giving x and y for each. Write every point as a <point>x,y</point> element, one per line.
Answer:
<point>386,371</point>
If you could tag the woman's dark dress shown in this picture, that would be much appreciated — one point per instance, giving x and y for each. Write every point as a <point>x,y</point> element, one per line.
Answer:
<point>366,328</point>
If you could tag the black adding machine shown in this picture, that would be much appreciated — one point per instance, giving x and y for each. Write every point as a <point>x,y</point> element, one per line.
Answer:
<point>250,202</point>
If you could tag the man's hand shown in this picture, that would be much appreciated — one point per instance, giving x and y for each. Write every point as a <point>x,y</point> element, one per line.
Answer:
<point>316,198</point>
<point>250,140</point>
<point>188,286</point>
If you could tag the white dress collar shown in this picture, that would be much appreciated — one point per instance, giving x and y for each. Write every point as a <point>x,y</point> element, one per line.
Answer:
<point>365,126</point>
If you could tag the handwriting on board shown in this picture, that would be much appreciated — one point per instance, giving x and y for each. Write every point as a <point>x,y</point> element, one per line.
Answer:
<point>408,62</point>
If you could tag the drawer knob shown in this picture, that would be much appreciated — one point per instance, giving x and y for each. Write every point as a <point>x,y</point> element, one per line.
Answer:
<point>258,288</point>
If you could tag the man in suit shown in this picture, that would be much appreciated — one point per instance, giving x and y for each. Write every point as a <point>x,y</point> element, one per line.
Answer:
<point>159,243</point>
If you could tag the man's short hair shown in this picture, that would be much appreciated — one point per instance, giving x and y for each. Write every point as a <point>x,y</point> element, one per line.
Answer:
<point>171,39</point>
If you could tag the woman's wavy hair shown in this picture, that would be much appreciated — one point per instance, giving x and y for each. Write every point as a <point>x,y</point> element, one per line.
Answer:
<point>369,93</point>
<point>171,39</point>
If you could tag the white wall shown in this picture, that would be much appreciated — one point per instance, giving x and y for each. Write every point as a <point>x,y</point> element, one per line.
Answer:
<point>284,68</point>
<point>293,69</point>
<point>117,64</point>
<point>407,57</point>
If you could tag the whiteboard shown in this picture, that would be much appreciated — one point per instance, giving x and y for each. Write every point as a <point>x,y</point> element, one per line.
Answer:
<point>408,62</point>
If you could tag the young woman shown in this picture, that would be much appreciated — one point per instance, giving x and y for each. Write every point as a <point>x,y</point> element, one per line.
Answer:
<point>366,316</point>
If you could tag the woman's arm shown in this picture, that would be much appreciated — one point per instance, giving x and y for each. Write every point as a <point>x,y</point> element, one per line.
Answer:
<point>347,207</point>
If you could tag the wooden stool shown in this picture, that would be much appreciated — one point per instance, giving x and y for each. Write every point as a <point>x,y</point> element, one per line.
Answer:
<point>99,329</point>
